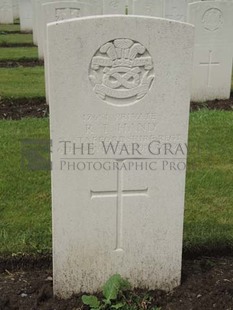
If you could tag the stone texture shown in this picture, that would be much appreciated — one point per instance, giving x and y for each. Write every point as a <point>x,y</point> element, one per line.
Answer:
<point>26,15</point>
<point>57,11</point>
<point>147,7</point>
<point>15,8</point>
<point>34,19</point>
<point>213,51</point>
<point>123,80</point>
<point>177,9</point>
<point>85,9</point>
<point>114,6</point>
<point>6,12</point>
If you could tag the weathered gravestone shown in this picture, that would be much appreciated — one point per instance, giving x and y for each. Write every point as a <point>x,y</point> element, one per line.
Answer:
<point>57,11</point>
<point>120,82</point>
<point>114,6</point>
<point>147,8</point>
<point>15,8</point>
<point>85,9</point>
<point>213,49</point>
<point>25,11</point>
<point>34,18</point>
<point>6,12</point>
<point>177,9</point>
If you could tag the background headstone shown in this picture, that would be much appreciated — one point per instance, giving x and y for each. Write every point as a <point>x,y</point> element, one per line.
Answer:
<point>34,21</point>
<point>57,11</point>
<point>114,6</point>
<point>148,7</point>
<point>126,79</point>
<point>6,12</point>
<point>85,9</point>
<point>177,9</point>
<point>26,15</point>
<point>16,8</point>
<point>213,51</point>
<point>96,6</point>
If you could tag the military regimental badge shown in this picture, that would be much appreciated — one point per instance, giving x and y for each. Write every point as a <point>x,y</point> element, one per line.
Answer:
<point>121,72</point>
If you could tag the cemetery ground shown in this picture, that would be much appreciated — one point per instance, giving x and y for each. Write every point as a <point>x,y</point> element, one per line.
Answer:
<point>25,225</point>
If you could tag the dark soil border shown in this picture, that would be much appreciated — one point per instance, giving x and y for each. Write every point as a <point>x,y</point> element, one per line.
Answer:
<point>15,109</point>
<point>226,105</point>
<point>25,262</point>
<point>21,62</point>
<point>4,32</point>
<point>37,261</point>
<point>6,45</point>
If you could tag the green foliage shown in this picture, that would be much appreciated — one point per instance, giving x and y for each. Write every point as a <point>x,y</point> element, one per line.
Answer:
<point>113,286</point>
<point>112,290</point>
<point>91,301</point>
<point>116,295</point>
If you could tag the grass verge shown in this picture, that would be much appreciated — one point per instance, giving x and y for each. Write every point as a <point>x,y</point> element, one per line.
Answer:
<point>25,224</point>
<point>9,28</point>
<point>15,38</point>
<point>22,82</point>
<point>17,53</point>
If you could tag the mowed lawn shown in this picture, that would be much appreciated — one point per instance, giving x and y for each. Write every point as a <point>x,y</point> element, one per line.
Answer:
<point>15,38</point>
<point>18,53</point>
<point>9,28</point>
<point>22,82</point>
<point>25,207</point>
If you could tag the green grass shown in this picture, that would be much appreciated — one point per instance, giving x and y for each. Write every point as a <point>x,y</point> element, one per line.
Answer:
<point>16,53</point>
<point>209,187</point>
<point>9,28</point>
<point>15,38</point>
<point>25,206</point>
<point>22,82</point>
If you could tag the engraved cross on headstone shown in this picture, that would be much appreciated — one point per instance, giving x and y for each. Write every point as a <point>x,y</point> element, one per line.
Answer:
<point>119,194</point>
<point>210,63</point>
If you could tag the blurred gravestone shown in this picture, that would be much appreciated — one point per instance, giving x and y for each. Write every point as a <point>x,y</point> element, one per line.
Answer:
<point>84,9</point>
<point>147,8</point>
<point>25,11</point>
<point>57,11</point>
<point>16,8</point>
<point>114,6</point>
<point>213,49</point>
<point>177,9</point>
<point>6,12</point>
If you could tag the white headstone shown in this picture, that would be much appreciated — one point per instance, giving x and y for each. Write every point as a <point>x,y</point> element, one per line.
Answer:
<point>16,8</point>
<point>213,51</point>
<point>34,21</point>
<point>26,16</point>
<point>57,11</point>
<point>114,6</point>
<point>148,7</point>
<point>6,12</point>
<point>97,6</point>
<point>85,9</point>
<point>177,9</point>
<point>121,80</point>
